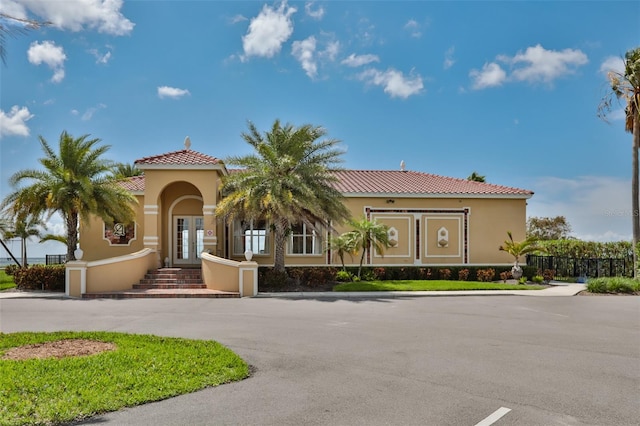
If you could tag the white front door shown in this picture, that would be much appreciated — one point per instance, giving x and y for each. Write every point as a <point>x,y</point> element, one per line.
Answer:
<point>188,239</point>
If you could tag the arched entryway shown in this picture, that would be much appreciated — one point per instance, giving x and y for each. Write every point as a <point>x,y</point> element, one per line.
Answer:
<point>185,230</point>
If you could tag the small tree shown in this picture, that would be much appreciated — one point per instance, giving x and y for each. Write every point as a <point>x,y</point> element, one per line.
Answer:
<point>518,249</point>
<point>548,228</point>
<point>367,234</point>
<point>24,227</point>
<point>476,177</point>
<point>341,245</point>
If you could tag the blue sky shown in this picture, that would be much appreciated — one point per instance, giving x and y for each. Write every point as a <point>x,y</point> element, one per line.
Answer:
<point>507,89</point>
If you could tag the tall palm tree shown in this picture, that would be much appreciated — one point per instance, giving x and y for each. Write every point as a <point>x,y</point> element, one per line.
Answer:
<point>287,180</point>
<point>476,177</point>
<point>125,170</point>
<point>12,26</point>
<point>5,228</point>
<point>625,86</point>
<point>369,234</point>
<point>76,182</point>
<point>24,227</point>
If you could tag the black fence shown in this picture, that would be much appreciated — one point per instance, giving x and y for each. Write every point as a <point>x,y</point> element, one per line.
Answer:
<point>55,259</point>
<point>583,267</point>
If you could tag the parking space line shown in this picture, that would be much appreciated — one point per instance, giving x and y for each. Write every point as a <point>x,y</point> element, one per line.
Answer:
<point>494,417</point>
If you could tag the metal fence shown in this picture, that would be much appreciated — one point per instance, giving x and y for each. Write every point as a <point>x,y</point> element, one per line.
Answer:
<point>583,267</point>
<point>55,259</point>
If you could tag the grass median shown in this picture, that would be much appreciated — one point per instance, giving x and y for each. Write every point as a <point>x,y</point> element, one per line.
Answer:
<point>141,369</point>
<point>6,281</point>
<point>431,285</point>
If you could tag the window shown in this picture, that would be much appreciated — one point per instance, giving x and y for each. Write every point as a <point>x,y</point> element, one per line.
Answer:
<point>250,235</point>
<point>304,240</point>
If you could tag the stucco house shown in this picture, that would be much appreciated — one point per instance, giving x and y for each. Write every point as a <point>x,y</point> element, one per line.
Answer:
<point>433,220</point>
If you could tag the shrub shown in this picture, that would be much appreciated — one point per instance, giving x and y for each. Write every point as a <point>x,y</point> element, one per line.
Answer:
<point>505,275</point>
<point>11,269</point>
<point>522,280</point>
<point>344,276</point>
<point>444,274</point>
<point>548,275</point>
<point>613,285</point>
<point>597,285</point>
<point>463,274</point>
<point>40,277</point>
<point>272,279</point>
<point>380,273</point>
<point>537,279</point>
<point>485,275</point>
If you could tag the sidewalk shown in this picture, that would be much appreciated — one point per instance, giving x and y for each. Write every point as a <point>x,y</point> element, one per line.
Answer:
<point>559,289</point>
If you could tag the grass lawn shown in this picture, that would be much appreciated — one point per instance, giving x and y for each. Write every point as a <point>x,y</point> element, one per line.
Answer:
<point>6,281</point>
<point>141,369</point>
<point>430,285</point>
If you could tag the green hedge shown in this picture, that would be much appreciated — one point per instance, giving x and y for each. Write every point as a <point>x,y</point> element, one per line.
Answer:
<point>40,277</point>
<point>319,276</point>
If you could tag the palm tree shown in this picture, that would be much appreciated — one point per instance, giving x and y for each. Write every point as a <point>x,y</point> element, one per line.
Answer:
<point>76,182</point>
<point>476,177</point>
<point>24,227</point>
<point>368,234</point>
<point>518,249</point>
<point>11,26</point>
<point>341,245</point>
<point>625,86</point>
<point>125,170</point>
<point>288,180</point>
<point>5,228</point>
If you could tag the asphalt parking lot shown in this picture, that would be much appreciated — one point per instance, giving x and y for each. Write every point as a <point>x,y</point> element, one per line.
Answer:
<point>503,360</point>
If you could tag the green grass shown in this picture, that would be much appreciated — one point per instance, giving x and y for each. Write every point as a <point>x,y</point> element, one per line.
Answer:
<point>430,285</point>
<point>6,281</point>
<point>613,285</point>
<point>143,368</point>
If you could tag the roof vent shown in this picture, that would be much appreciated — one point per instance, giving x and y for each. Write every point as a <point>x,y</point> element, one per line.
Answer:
<point>187,143</point>
<point>402,166</point>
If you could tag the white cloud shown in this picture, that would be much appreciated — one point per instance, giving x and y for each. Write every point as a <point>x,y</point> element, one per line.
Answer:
<point>315,14</point>
<point>535,64</point>
<point>414,28</point>
<point>598,208</point>
<point>14,123</point>
<point>394,82</point>
<point>303,51</point>
<point>100,58</point>
<point>74,112</point>
<point>612,63</point>
<point>171,92</point>
<point>268,31</point>
<point>331,51</point>
<point>539,64</point>
<point>448,58</point>
<point>48,53</point>
<point>88,114</point>
<point>237,18</point>
<point>354,60</point>
<point>77,15</point>
<point>491,75</point>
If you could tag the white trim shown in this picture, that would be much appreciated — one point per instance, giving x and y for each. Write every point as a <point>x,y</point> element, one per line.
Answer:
<point>410,238</point>
<point>431,195</point>
<point>221,260</point>
<point>451,216</point>
<point>209,209</point>
<point>137,255</point>
<point>151,209</point>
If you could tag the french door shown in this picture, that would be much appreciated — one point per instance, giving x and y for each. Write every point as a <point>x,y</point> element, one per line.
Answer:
<point>188,239</point>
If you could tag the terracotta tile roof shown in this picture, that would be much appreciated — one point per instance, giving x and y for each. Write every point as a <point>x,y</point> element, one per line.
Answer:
<point>133,184</point>
<point>415,183</point>
<point>392,182</point>
<point>184,157</point>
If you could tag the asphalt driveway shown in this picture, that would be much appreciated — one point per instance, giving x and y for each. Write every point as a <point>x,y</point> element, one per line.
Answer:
<point>400,361</point>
